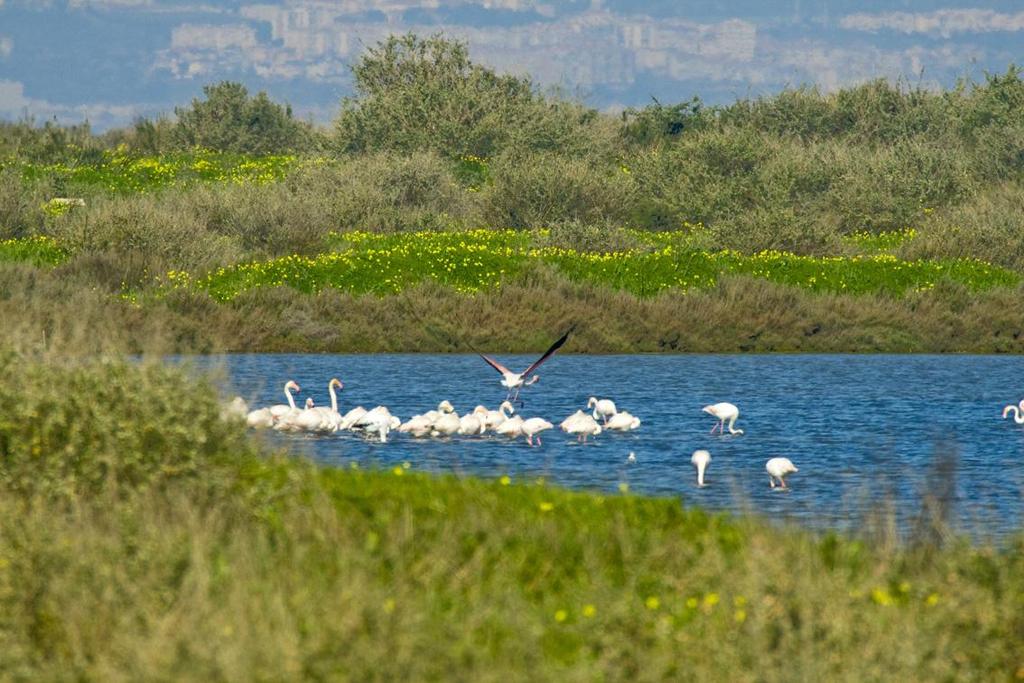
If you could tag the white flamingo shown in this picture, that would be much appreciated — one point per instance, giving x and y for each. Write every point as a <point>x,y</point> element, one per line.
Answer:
<point>349,419</point>
<point>700,460</point>
<point>724,411</point>
<point>582,426</point>
<point>622,421</point>
<point>378,421</point>
<point>533,427</point>
<point>447,421</point>
<point>493,418</point>
<point>512,427</point>
<point>603,408</point>
<point>1017,410</point>
<point>515,381</point>
<point>281,409</point>
<point>235,409</point>
<point>306,420</point>
<point>570,422</point>
<point>266,417</point>
<point>777,469</point>
<point>330,418</point>
<point>470,423</point>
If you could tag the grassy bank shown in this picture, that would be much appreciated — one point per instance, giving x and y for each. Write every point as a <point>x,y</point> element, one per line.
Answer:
<point>875,218</point>
<point>141,537</point>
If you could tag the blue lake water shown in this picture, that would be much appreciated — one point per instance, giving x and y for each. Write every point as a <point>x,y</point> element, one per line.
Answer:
<point>864,430</point>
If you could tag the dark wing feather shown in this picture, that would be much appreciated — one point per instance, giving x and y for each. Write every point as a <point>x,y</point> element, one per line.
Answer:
<point>496,365</point>
<point>547,354</point>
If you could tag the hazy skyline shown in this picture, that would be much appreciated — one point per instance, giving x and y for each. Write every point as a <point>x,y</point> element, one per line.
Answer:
<point>111,60</point>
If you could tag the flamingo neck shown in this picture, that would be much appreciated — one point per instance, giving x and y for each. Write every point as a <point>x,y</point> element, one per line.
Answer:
<point>334,397</point>
<point>288,395</point>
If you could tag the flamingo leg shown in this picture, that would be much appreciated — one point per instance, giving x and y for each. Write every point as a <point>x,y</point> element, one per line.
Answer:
<point>538,440</point>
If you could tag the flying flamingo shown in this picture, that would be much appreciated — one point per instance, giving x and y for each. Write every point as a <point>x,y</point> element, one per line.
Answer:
<point>1018,412</point>
<point>513,381</point>
<point>724,411</point>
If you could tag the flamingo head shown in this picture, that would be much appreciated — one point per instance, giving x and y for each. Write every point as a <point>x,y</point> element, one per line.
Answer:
<point>445,406</point>
<point>507,406</point>
<point>533,380</point>
<point>293,385</point>
<point>337,383</point>
<point>592,401</point>
<point>309,403</point>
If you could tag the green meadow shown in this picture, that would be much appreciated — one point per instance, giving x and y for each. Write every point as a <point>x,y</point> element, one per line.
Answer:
<point>145,537</point>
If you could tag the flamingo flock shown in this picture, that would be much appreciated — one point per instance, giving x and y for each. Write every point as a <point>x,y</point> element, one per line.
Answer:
<point>444,422</point>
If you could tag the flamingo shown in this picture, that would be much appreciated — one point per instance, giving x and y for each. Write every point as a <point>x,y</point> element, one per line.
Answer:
<point>582,426</point>
<point>1017,410</point>
<point>379,421</point>
<point>330,418</point>
<point>493,418</point>
<point>235,409</point>
<point>777,469</point>
<point>513,381</point>
<point>417,426</point>
<point>470,423</point>
<point>511,427</point>
<point>622,421</point>
<point>700,460</point>
<point>349,419</point>
<point>533,427</point>
<point>604,407</point>
<point>724,411</point>
<point>266,417</point>
<point>305,420</point>
<point>281,409</point>
<point>447,422</point>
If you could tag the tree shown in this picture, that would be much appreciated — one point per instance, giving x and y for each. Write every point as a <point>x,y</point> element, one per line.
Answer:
<point>414,93</point>
<point>229,120</point>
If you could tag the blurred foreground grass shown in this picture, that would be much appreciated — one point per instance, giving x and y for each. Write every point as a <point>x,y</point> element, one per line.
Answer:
<point>142,537</point>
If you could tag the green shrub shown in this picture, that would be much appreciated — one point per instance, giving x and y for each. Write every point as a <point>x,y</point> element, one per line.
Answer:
<point>81,428</point>
<point>537,190</point>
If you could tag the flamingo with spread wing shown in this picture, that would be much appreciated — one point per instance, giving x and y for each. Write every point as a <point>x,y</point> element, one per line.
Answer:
<point>514,381</point>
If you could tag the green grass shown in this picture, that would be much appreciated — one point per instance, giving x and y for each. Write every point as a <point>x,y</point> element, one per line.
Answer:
<point>38,251</point>
<point>143,538</point>
<point>121,173</point>
<point>481,259</point>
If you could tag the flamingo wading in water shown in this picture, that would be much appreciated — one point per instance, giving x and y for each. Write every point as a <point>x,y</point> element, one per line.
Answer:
<point>1017,410</point>
<point>724,411</point>
<point>515,381</point>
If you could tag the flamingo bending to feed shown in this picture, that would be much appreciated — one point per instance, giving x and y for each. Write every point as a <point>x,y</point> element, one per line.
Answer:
<point>514,381</point>
<point>777,469</point>
<point>533,427</point>
<point>349,419</point>
<point>511,427</point>
<point>700,460</point>
<point>622,421</point>
<point>724,411</point>
<point>378,421</point>
<point>603,408</point>
<point>1017,410</point>
<point>582,426</point>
